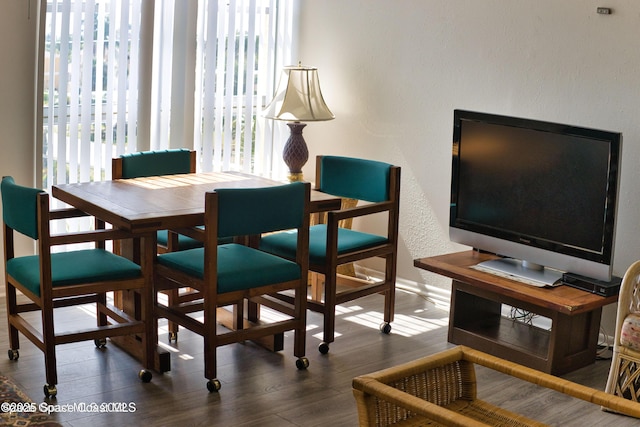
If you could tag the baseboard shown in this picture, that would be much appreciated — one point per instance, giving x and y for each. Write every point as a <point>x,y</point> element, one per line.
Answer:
<point>440,297</point>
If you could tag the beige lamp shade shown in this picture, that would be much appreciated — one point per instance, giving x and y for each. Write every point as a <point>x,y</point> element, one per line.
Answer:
<point>298,97</point>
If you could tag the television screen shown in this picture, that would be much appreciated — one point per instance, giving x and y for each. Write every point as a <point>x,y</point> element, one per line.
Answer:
<point>536,191</point>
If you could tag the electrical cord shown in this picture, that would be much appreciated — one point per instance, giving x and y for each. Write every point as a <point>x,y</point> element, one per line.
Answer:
<point>604,349</point>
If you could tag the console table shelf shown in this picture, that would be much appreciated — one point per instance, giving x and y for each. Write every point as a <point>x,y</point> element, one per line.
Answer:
<point>476,319</point>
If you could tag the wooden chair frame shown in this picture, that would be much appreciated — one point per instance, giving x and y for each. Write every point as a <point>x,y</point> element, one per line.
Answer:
<point>325,301</point>
<point>110,320</point>
<point>244,327</point>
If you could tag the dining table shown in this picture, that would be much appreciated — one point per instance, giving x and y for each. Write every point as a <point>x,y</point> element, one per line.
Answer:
<point>146,204</point>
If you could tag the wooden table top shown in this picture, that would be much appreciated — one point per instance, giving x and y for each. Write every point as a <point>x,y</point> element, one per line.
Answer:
<point>564,299</point>
<point>160,202</point>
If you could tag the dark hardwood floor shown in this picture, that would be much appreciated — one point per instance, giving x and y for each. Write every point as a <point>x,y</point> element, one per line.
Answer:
<point>260,388</point>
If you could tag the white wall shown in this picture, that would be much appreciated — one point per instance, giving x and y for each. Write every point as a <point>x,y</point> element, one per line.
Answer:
<point>393,71</point>
<point>18,24</point>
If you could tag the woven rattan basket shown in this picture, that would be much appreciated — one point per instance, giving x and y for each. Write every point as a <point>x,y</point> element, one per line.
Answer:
<point>441,390</point>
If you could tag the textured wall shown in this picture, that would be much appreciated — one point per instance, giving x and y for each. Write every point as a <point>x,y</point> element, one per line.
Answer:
<point>18,23</point>
<point>393,71</point>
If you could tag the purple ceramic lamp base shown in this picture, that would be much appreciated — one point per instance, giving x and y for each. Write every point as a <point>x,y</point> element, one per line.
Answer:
<point>295,152</point>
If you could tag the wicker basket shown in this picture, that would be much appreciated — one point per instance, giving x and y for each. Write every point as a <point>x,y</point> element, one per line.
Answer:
<point>441,390</point>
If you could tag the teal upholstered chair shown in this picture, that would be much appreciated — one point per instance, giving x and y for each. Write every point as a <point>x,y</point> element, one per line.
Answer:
<point>62,279</point>
<point>230,274</point>
<point>330,245</point>
<point>155,163</point>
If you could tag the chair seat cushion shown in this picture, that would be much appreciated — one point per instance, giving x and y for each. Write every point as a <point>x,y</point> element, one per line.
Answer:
<point>630,334</point>
<point>72,268</point>
<point>284,243</point>
<point>239,267</point>
<point>184,242</point>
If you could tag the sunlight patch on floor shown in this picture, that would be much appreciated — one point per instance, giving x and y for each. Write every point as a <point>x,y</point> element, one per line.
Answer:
<point>164,331</point>
<point>403,325</point>
<point>418,322</point>
<point>311,327</point>
<point>270,316</point>
<point>341,309</point>
<point>320,335</point>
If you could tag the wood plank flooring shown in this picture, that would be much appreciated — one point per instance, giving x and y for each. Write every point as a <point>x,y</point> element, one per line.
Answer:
<point>260,388</point>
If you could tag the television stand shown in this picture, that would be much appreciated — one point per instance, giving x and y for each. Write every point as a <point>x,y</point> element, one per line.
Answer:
<point>475,317</point>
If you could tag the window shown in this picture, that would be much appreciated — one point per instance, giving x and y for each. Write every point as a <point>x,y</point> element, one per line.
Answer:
<point>130,75</point>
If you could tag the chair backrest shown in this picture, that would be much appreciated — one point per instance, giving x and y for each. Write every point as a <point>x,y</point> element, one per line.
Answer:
<point>153,163</point>
<point>20,207</point>
<point>354,178</point>
<point>252,211</point>
<point>629,296</point>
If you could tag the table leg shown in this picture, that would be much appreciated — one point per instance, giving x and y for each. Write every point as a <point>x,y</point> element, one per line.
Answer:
<point>130,303</point>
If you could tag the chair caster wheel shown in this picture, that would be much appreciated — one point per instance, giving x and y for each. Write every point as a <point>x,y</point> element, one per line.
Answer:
<point>302,363</point>
<point>100,342</point>
<point>13,354</point>
<point>213,385</point>
<point>145,375</point>
<point>173,336</point>
<point>385,328</point>
<point>50,390</point>
<point>323,348</point>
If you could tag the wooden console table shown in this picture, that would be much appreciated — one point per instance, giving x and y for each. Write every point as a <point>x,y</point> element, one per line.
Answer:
<point>475,317</point>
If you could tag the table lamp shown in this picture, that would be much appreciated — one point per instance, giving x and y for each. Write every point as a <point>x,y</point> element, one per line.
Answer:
<point>298,99</point>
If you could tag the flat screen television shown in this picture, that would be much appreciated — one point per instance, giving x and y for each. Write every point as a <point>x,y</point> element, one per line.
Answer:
<point>541,195</point>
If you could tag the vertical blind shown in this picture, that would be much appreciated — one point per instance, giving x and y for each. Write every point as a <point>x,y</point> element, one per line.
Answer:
<point>90,92</point>
<point>213,70</point>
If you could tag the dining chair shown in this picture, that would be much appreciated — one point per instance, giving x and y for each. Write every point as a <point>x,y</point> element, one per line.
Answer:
<point>375,183</point>
<point>232,274</point>
<point>624,374</point>
<point>154,163</point>
<point>54,279</point>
